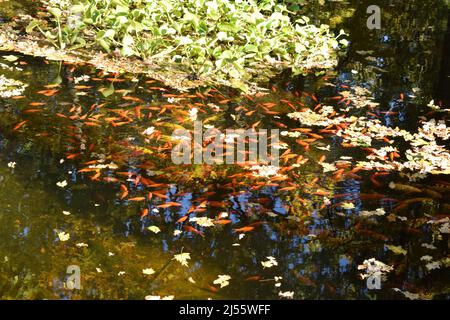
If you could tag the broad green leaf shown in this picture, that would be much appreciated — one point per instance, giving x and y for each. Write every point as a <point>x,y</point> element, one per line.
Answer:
<point>56,12</point>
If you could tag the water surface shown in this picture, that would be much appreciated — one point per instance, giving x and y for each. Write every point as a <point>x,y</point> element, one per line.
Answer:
<point>317,247</point>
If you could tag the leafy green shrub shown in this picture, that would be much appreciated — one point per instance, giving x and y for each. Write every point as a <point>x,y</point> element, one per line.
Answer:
<point>237,42</point>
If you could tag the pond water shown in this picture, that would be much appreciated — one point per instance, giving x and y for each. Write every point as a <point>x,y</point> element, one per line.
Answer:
<point>81,126</point>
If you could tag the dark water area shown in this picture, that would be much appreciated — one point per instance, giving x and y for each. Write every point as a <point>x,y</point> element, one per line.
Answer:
<point>85,170</point>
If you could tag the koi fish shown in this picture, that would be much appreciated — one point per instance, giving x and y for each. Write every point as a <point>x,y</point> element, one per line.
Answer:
<point>48,93</point>
<point>124,191</point>
<point>144,213</point>
<point>223,221</point>
<point>169,204</point>
<point>244,229</point>
<point>137,199</point>
<point>19,125</point>
<point>192,229</point>
<point>182,219</point>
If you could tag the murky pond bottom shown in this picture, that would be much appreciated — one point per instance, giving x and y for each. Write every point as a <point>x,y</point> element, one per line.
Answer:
<point>87,184</point>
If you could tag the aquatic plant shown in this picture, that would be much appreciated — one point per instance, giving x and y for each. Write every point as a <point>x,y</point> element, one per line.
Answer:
<point>239,43</point>
<point>63,35</point>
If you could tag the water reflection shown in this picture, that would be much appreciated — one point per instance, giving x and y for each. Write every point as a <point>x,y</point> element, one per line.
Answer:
<point>317,247</point>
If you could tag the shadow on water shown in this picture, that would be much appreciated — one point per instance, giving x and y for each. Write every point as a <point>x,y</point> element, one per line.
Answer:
<point>317,247</point>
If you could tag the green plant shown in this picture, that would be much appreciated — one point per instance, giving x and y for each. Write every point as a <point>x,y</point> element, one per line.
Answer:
<point>239,42</point>
<point>67,35</point>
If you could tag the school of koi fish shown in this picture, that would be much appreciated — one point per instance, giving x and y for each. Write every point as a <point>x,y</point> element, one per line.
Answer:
<point>370,196</point>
